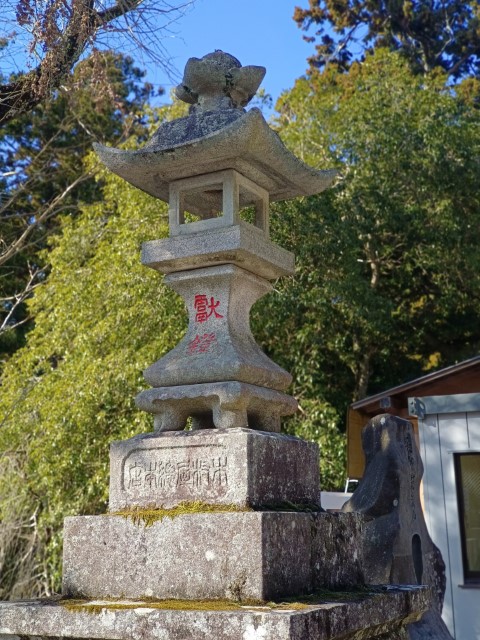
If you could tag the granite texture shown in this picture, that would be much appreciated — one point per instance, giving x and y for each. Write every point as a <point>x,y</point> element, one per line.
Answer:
<point>232,467</point>
<point>243,245</point>
<point>217,200</point>
<point>210,165</point>
<point>337,541</point>
<point>377,616</point>
<point>222,405</point>
<point>217,374</point>
<point>246,144</point>
<point>217,135</point>
<point>218,80</point>
<point>218,345</point>
<point>246,554</point>
<point>235,555</point>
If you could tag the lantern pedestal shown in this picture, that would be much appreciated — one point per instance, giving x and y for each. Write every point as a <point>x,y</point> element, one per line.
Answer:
<point>217,404</point>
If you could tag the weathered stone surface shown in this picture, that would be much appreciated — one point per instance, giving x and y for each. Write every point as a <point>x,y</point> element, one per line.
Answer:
<point>397,547</point>
<point>337,550</point>
<point>218,345</point>
<point>195,145</point>
<point>217,374</point>
<point>217,199</point>
<point>212,164</point>
<point>261,555</point>
<point>243,245</point>
<point>246,164</point>
<point>235,466</point>
<point>224,405</point>
<point>381,613</point>
<point>218,80</point>
<point>256,555</point>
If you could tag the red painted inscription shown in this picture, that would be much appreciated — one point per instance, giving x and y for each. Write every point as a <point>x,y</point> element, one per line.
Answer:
<point>205,308</point>
<point>201,344</point>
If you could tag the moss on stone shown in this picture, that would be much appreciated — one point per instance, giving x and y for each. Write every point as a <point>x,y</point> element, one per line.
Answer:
<point>295,604</point>
<point>95,606</point>
<point>148,516</point>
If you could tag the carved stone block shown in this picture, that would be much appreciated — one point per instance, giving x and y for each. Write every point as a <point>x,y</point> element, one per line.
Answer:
<point>242,245</point>
<point>218,345</point>
<point>204,555</point>
<point>224,405</point>
<point>235,466</point>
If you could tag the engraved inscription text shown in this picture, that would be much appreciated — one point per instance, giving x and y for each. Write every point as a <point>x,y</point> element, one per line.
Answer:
<point>145,471</point>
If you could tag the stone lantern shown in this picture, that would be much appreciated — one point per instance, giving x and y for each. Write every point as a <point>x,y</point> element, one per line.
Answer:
<point>209,530</point>
<point>218,169</point>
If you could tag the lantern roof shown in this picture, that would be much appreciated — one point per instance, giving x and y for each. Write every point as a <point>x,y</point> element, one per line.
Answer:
<point>218,134</point>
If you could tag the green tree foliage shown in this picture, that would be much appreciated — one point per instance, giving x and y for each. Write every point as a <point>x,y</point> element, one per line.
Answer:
<point>430,34</point>
<point>388,268</point>
<point>43,174</point>
<point>101,318</point>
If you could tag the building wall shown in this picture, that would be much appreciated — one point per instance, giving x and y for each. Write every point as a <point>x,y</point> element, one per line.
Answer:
<point>441,436</point>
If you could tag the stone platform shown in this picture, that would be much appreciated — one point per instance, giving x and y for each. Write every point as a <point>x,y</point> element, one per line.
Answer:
<point>239,467</point>
<point>233,555</point>
<point>377,615</point>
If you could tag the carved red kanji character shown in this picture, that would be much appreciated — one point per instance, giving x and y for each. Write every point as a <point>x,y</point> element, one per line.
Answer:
<point>204,308</point>
<point>201,344</point>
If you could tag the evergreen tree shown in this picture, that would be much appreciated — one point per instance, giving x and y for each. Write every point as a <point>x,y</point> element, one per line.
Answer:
<point>430,34</point>
<point>387,282</point>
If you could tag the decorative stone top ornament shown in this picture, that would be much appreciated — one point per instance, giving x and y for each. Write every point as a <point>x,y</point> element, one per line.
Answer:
<point>217,136</point>
<point>218,81</point>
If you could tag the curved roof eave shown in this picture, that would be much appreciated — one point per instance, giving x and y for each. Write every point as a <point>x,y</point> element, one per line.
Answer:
<point>247,145</point>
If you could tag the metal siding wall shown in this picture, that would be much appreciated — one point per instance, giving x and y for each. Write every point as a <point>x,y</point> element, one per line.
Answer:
<point>441,436</point>
<point>454,437</point>
<point>435,508</point>
<point>469,608</point>
<point>473,423</point>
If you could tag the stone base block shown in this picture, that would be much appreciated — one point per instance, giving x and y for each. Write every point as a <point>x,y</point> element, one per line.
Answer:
<point>379,615</point>
<point>231,466</point>
<point>207,555</point>
<point>235,555</point>
<point>221,405</point>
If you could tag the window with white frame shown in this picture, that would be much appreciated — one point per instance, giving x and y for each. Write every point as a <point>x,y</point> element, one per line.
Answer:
<point>467,471</point>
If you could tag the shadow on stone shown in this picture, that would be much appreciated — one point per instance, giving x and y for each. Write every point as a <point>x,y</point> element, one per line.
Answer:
<point>397,548</point>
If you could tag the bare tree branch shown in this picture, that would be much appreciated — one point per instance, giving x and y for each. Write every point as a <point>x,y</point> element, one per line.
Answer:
<point>66,34</point>
<point>16,300</point>
<point>53,207</point>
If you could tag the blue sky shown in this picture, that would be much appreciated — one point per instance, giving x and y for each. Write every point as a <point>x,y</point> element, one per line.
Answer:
<point>259,32</point>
